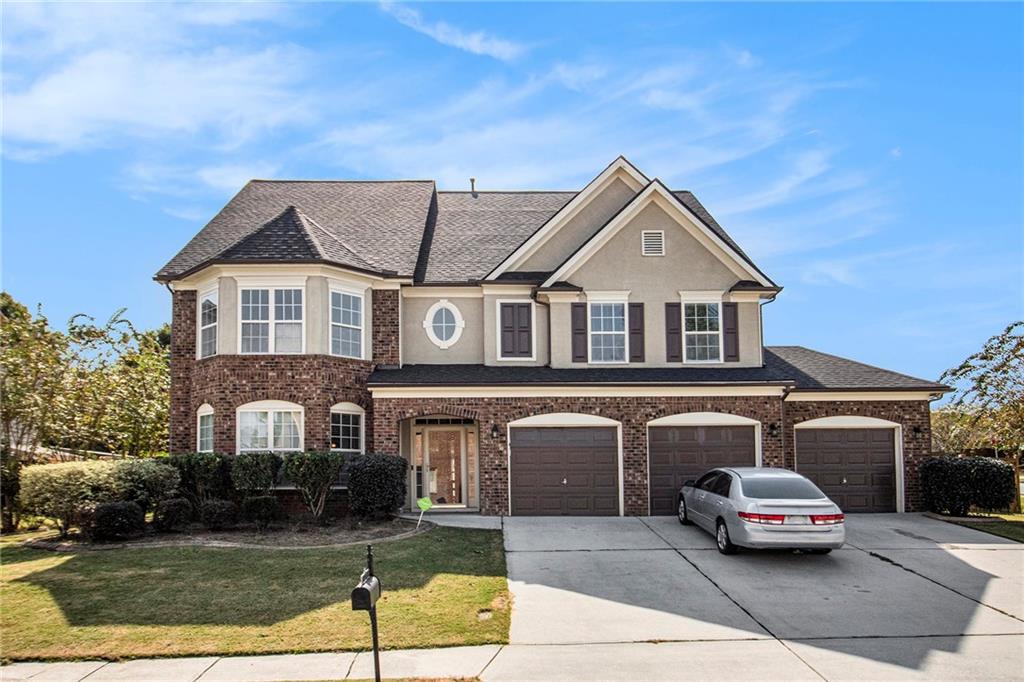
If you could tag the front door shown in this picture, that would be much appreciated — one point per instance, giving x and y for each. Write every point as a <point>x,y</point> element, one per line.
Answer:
<point>444,466</point>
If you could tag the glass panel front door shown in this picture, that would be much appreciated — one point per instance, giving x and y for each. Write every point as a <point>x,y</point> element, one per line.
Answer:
<point>444,466</point>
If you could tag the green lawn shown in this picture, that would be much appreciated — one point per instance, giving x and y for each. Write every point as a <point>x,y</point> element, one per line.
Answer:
<point>1008,526</point>
<point>446,587</point>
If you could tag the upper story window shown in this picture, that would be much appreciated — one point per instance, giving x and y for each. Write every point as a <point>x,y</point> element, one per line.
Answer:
<point>204,429</point>
<point>208,324</point>
<point>608,332</point>
<point>346,324</point>
<point>269,425</point>
<point>443,324</point>
<point>702,330</point>
<point>271,320</point>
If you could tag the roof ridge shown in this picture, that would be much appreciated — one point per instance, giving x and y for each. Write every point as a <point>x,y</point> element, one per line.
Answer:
<point>350,181</point>
<point>303,223</point>
<point>338,240</point>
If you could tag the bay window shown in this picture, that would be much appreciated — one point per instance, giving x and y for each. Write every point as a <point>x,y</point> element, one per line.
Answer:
<point>347,428</point>
<point>347,324</point>
<point>274,426</point>
<point>208,324</point>
<point>271,320</point>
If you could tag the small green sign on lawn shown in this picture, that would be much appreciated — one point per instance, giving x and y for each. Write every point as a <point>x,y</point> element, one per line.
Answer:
<point>424,504</point>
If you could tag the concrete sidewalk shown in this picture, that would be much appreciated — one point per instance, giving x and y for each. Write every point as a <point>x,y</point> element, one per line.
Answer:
<point>977,657</point>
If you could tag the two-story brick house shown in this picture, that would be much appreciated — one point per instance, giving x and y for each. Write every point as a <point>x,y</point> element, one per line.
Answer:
<point>528,352</point>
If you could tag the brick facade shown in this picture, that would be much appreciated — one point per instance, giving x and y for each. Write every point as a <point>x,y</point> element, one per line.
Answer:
<point>316,382</point>
<point>386,321</point>
<point>914,415</point>
<point>633,413</point>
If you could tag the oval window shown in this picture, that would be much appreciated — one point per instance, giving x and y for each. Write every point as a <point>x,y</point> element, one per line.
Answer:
<point>443,324</point>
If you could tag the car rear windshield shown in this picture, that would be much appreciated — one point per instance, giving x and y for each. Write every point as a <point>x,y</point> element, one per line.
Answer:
<point>781,489</point>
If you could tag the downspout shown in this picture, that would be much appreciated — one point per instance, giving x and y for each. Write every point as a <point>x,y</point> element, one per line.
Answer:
<point>782,416</point>
<point>536,300</point>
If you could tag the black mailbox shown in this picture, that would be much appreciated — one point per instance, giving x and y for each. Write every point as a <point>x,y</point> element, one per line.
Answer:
<point>366,593</point>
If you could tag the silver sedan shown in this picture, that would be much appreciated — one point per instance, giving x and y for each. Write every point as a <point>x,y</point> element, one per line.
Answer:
<point>762,508</point>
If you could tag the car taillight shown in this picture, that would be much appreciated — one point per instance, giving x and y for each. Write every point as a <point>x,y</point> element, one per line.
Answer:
<point>770,519</point>
<point>826,519</point>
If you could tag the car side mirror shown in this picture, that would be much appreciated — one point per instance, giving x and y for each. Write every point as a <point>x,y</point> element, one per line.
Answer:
<point>688,484</point>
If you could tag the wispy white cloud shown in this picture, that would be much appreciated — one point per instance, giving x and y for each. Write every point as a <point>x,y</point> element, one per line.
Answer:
<point>230,177</point>
<point>476,42</point>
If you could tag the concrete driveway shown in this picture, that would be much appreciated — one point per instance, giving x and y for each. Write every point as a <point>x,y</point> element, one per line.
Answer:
<point>909,596</point>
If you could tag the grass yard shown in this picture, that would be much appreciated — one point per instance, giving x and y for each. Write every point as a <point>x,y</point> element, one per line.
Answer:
<point>1008,526</point>
<point>443,588</point>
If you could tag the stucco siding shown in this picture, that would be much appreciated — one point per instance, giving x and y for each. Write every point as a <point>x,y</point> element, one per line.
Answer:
<point>417,347</point>
<point>580,228</point>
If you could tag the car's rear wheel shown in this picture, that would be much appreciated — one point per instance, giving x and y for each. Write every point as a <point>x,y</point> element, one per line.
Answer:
<point>683,518</point>
<point>725,545</point>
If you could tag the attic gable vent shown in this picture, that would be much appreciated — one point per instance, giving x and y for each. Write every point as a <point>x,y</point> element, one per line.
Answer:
<point>652,242</point>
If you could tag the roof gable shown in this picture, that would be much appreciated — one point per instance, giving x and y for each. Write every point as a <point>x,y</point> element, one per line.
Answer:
<point>656,191</point>
<point>618,170</point>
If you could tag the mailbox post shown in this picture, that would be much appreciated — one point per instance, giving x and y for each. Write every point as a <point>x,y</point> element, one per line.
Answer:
<point>364,598</point>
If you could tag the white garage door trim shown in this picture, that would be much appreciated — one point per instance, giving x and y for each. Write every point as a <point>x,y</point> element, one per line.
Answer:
<point>701,419</point>
<point>859,422</point>
<point>563,420</point>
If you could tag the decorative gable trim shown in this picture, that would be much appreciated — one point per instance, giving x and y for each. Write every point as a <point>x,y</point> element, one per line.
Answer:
<point>619,168</point>
<point>657,193</point>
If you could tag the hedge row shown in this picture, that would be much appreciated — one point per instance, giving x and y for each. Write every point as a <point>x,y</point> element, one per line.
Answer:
<point>953,485</point>
<point>204,486</point>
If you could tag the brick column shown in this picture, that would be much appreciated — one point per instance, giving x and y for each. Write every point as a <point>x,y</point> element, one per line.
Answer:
<point>386,333</point>
<point>183,359</point>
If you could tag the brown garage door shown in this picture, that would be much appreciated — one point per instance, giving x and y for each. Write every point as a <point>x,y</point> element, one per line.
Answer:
<point>855,467</point>
<point>565,471</point>
<point>679,453</point>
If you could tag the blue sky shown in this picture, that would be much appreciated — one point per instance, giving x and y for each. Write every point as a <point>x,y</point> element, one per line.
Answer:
<point>869,157</point>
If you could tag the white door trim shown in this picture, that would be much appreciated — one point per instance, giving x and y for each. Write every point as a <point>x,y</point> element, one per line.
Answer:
<point>564,420</point>
<point>861,422</point>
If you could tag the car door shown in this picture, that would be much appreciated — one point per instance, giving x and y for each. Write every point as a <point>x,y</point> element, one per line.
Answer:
<point>701,493</point>
<point>717,503</point>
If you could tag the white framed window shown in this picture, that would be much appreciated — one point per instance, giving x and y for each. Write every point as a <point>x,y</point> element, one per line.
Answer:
<point>347,324</point>
<point>269,425</point>
<point>702,331</point>
<point>608,341</point>
<point>347,431</point>
<point>208,324</point>
<point>443,324</point>
<point>204,428</point>
<point>652,242</point>
<point>271,320</point>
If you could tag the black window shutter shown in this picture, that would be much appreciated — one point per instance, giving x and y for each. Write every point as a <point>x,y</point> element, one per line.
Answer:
<point>730,332</point>
<point>636,332</point>
<point>673,332</point>
<point>516,330</point>
<point>579,332</point>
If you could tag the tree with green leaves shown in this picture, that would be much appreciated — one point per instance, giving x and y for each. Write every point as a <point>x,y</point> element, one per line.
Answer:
<point>990,391</point>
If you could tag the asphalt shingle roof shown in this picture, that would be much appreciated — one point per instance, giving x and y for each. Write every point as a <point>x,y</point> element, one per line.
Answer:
<point>381,222</point>
<point>796,366</point>
<point>381,226</point>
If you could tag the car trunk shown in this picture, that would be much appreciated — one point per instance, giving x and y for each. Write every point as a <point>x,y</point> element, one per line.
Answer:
<point>797,512</point>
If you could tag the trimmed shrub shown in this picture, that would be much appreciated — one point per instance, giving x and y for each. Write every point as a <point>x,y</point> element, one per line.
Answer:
<point>377,485</point>
<point>145,481</point>
<point>946,485</point>
<point>313,474</point>
<point>255,473</point>
<point>118,521</point>
<point>219,514</point>
<point>204,476</point>
<point>261,510</point>
<point>993,484</point>
<point>172,515</point>
<point>66,490</point>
